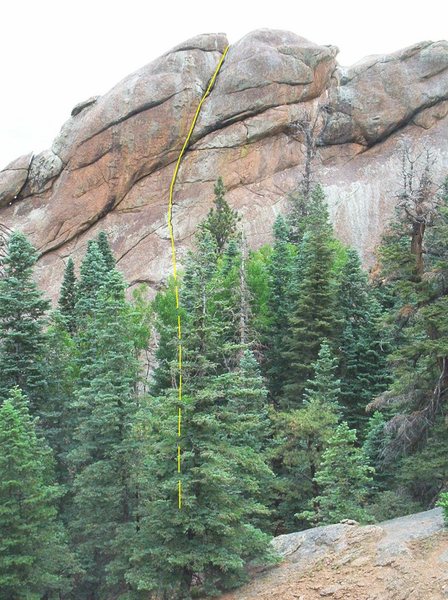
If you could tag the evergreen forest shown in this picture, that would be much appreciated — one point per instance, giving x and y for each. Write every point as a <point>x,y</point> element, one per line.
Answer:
<point>312,391</point>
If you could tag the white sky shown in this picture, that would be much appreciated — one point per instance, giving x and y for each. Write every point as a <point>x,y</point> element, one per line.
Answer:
<point>55,53</point>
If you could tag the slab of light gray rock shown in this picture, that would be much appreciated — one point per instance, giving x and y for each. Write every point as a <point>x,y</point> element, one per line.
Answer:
<point>13,177</point>
<point>342,541</point>
<point>44,167</point>
<point>266,68</point>
<point>381,94</point>
<point>398,533</point>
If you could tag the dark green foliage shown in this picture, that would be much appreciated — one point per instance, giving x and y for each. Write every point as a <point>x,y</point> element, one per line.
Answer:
<point>297,217</point>
<point>280,274</point>
<point>68,297</point>
<point>93,274</point>
<point>101,457</point>
<point>363,349</point>
<point>22,321</point>
<point>344,479</point>
<point>375,441</point>
<point>57,418</point>
<point>165,371</point>
<point>105,249</point>
<point>324,388</point>
<point>247,398</point>
<point>224,471</point>
<point>313,310</point>
<point>34,557</point>
<point>221,221</point>
<point>424,473</point>
<point>213,535</point>
<point>302,436</point>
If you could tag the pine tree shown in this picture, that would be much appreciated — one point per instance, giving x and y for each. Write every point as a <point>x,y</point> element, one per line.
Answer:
<point>198,289</point>
<point>57,418</point>
<point>375,440</point>
<point>68,297</point>
<point>93,274</point>
<point>165,322</point>
<point>221,221</point>
<point>22,321</point>
<point>297,218</point>
<point>301,437</point>
<point>222,471</point>
<point>363,347</point>
<point>105,404</point>
<point>34,559</point>
<point>106,251</point>
<point>415,268</point>
<point>280,274</point>
<point>247,398</point>
<point>344,479</point>
<point>213,535</point>
<point>313,310</point>
<point>324,387</point>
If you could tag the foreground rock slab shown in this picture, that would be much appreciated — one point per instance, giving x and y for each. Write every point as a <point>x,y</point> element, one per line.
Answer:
<point>401,559</point>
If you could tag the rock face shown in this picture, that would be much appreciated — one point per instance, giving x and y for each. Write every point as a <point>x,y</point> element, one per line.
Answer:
<point>111,165</point>
<point>401,559</point>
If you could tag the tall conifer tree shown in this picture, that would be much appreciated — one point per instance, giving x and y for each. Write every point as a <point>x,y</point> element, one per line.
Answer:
<point>301,437</point>
<point>106,251</point>
<point>313,311</point>
<point>212,536</point>
<point>22,321</point>
<point>280,275</point>
<point>363,344</point>
<point>68,296</point>
<point>34,558</point>
<point>344,479</point>
<point>105,401</point>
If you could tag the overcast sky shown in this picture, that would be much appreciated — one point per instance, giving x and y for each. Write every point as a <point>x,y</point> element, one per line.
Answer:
<point>57,53</point>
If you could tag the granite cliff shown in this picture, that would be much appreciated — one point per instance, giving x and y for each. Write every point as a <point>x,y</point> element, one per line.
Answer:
<point>111,165</point>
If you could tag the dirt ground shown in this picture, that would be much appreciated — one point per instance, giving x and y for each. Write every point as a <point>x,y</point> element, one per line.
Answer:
<point>402,559</point>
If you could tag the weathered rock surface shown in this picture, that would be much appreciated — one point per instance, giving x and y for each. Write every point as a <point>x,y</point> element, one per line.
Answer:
<point>13,179</point>
<point>111,165</point>
<point>401,559</point>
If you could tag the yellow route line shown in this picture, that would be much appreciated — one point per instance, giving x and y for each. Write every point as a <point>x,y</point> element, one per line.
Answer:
<point>173,256</point>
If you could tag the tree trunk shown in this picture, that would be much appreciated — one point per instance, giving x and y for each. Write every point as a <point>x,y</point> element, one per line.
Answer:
<point>418,232</point>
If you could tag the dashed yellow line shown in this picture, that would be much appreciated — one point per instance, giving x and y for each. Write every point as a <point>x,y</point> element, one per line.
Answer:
<point>173,256</point>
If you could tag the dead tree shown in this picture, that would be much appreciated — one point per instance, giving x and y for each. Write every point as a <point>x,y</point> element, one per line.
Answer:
<point>418,204</point>
<point>305,130</point>
<point>417,199</point>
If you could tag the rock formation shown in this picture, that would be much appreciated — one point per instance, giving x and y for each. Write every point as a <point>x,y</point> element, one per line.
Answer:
<point>111,164</point>
<point>401,559</point>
